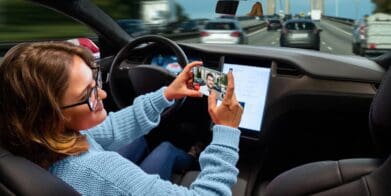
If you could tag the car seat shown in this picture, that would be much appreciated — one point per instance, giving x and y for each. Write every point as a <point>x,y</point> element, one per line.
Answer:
<point>19,176</point>
<point>349,177</point>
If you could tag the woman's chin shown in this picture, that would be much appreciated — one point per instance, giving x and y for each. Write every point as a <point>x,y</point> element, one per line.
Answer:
<point>102,114</point>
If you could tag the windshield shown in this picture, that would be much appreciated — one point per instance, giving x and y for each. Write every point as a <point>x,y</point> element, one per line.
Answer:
<point>274,21</point>
<point>345,27</point>
<point>300,26</point>
<point>332,22</point>
<point>220,26</point>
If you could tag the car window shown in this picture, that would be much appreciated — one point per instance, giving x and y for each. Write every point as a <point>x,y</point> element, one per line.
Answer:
<point>220,26</point>
<point>25,21</point>
<point>275,21</point>
<point>300,26</point>
<point>336,19</point>
<point>130,25</point>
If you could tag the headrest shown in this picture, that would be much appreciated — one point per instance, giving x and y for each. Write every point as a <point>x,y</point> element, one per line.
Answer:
<point>380,116</point>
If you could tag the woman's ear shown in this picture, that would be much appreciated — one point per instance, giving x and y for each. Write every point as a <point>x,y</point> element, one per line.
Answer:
<point>66,118</point>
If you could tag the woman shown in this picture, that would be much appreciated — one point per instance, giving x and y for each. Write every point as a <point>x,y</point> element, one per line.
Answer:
<point>167,155</point>
<point>52,114</point>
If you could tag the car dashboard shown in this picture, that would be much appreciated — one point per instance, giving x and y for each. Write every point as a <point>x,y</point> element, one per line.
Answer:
<point>300,80</point>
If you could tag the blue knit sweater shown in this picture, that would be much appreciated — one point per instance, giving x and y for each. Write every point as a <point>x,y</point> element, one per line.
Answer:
<point>102,171</point>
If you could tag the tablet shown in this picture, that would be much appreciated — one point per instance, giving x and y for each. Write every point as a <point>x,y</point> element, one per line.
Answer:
<point>251,86</point>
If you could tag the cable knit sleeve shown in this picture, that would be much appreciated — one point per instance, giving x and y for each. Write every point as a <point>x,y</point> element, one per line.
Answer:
<point>107,173</point>
<point>128,124</point>
<point>218,171</point>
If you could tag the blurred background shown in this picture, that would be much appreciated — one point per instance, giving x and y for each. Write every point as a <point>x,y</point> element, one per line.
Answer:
<point>332,26</point>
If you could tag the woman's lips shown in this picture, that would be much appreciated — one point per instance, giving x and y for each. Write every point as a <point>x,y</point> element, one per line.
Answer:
<point>99,107</point>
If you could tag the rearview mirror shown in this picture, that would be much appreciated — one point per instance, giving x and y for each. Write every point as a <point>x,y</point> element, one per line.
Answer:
<point>227,7</point>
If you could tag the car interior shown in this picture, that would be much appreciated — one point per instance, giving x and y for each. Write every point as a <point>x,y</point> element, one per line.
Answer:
<point>311,130</point>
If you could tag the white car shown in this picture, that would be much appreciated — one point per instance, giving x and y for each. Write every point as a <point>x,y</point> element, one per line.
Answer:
<point>223,31</point>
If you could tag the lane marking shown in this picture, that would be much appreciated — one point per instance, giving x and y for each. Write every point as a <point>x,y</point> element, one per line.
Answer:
<point>255,32</point>
<point>330,48</point>
<point>273,43</point>
<point>324,43</point>
<point>337,28</point>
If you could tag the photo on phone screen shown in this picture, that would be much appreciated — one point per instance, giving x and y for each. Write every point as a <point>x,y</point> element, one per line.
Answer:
<point>206,80</point>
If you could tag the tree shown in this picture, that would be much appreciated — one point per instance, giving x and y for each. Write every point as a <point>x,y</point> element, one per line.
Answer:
<point>224,80</point>
<point>383,6</point>
<point>120,9</point>
<point>198,74</point>
<point>181,15</point>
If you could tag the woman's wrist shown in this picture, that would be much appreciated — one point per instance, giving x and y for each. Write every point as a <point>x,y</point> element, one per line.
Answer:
<point>167,94</point>
<point>225,135</point>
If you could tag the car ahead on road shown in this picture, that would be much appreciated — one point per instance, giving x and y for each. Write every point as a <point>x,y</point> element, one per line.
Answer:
<point>358,36</point>
<point>223,31</point>
<point>134,27</point>
<point>201,22</point>
<point>273,24</point>
<point>311,122</point>
<point>287,17</point>
<point>188,26</point>
<point>372,35</point>
<point>300,33</point>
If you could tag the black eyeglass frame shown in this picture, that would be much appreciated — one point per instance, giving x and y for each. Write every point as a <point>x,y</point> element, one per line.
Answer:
<point>98,81</point>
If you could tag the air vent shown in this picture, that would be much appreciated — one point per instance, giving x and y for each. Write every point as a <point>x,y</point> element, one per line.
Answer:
<point>287,69</point>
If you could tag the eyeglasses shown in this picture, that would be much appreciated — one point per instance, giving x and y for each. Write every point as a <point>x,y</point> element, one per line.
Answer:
<point>92,99</point>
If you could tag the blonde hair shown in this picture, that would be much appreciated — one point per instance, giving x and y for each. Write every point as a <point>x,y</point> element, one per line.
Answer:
<point>33,80</point>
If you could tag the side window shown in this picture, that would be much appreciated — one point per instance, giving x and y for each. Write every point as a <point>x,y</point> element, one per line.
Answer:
<point>24,21</point>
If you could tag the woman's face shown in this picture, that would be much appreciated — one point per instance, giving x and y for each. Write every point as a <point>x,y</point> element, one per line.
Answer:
<point>81,81</point>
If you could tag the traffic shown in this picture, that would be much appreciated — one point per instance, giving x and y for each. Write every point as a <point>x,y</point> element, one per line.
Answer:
<point>335,35</point>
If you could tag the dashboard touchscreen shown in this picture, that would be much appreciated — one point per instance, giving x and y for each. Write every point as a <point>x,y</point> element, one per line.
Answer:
<point>251,84</point>
<point>169,62</point>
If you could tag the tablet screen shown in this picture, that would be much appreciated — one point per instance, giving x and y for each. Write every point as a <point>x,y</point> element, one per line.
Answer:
<point>251,84</point>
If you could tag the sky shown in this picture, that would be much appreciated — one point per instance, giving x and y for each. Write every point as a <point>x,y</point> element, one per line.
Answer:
<point>353,9</point>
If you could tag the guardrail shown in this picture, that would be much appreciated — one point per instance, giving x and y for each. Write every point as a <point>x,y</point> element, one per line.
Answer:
<point>181,36</point>
<point>347,21</point>
<point>250,24</point>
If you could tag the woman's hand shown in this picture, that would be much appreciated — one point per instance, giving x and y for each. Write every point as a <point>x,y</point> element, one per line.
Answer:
<point>182,86</point>
<point>229,113</point>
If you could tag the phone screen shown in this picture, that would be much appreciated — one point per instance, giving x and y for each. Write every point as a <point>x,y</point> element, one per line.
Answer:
<point>206,80</point>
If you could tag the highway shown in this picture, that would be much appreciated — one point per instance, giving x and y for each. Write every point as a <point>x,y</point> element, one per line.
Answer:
<point>336,38</point>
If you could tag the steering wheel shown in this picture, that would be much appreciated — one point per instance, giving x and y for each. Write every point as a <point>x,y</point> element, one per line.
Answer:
<point>144,78</point>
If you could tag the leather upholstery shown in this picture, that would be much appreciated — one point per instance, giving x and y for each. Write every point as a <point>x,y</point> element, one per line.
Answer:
<point>352,177</point>
<point>19,176</point>
<point>379,116</point>
<point>314,178</point>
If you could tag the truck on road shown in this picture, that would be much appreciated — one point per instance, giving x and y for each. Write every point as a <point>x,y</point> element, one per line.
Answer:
<point>372,36</point>
<point>316,15</point>
<point>158,14</point>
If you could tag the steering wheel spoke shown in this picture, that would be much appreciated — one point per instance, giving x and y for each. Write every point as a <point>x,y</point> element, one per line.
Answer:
<point>144,77</point>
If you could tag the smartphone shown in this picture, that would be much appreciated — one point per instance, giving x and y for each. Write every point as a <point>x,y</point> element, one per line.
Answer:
<point>205,80</point>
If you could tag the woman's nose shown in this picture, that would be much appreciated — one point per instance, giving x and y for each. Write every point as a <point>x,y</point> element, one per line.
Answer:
<point>102,94</point>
